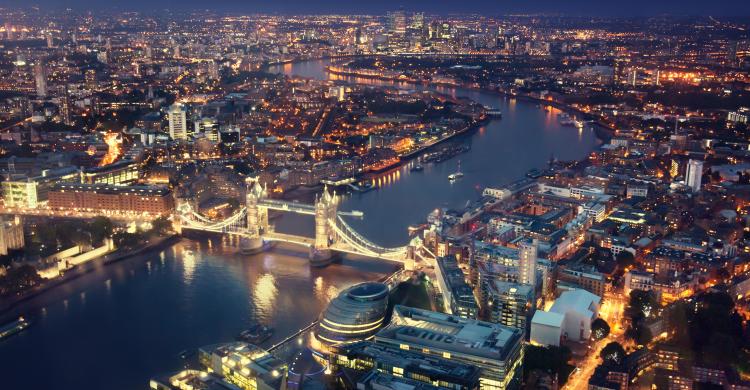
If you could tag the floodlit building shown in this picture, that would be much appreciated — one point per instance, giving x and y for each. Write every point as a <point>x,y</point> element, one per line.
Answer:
<point>694,175</point>
<point>569,318</point>
<point>177,116</point>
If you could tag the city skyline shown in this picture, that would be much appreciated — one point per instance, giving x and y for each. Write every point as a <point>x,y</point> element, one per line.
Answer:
<point>637,8</point>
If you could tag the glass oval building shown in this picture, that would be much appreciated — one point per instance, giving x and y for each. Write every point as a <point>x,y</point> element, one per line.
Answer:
<point>355,315</point>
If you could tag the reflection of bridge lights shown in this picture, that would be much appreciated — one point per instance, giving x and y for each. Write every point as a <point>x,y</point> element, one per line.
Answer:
<point>188,265</point>
<point>265,291</point>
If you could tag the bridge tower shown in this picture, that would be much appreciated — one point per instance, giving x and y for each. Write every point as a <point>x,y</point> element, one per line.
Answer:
<point>326,207</point>
<point>257,219</point>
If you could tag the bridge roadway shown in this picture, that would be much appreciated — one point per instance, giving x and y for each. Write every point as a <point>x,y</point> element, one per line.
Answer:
<point>44,211</point>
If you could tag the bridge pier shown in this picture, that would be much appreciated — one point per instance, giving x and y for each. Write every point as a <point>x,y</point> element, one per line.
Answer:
<point>251,245</point>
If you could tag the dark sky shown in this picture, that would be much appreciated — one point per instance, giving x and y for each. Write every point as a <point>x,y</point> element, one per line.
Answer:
<point>569,7</point>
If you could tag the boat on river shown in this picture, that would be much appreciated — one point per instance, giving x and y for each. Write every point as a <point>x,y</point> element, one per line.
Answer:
<point>14,327</point>
<point>256,334</point>
<point>458,174</point>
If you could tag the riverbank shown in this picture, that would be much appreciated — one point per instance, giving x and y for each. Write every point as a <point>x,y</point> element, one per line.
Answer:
<point>11,307</point>
<point>603,131</point>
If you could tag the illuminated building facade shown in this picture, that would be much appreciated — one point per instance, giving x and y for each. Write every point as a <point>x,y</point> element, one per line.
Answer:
<point>245,365</point>
<point>108,198</point>
<point>355,315</point>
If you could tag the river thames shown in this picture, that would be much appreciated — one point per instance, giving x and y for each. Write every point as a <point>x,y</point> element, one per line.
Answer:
<point>124,323</point>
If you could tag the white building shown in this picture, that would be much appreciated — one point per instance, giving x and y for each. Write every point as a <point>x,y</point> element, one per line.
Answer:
<point>527,256</point>
<point>177,117</point>
<point>694,175</point>
<point>569,318</point>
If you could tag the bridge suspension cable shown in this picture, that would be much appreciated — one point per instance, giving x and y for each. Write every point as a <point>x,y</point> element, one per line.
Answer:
<point>362,244</point>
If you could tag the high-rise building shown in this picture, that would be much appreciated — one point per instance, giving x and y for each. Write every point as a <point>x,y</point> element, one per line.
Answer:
<point>50,40</point>
<point>90,78</point>
<point>177,116</point>
<point>510,304</point>
<point>10,33</point>
<point>694,175</point>
<point>417,21</point>
<point>40,76</point>
<point>397,22</point>
<point>527,256</point>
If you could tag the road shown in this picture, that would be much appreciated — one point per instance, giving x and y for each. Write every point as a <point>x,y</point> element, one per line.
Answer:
<point>612,311</point>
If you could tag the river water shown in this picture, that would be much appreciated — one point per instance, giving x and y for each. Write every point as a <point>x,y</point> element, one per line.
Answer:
<point>122,324</point>
<point>501,151</point>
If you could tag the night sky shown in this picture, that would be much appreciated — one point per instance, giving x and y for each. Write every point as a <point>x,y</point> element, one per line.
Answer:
<point>490,7</point>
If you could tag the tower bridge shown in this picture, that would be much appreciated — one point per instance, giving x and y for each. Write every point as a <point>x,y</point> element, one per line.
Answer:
<point>332,232</point>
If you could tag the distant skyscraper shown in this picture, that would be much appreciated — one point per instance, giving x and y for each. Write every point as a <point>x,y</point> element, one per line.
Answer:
<point>694,175</point>
<point>50,40</point>
<point>397,22</point>
<point>417,21</point>
<point>213,70</point>
<point>90,78</point>
<point>527,256</point>
<point>177,116</point>
<point>65,107</point>
<point>10,34</point>
<point>177,53</point>
<point>40,76</point>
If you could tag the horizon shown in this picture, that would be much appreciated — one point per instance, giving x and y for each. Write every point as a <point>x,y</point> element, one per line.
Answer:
<point>574,8</point>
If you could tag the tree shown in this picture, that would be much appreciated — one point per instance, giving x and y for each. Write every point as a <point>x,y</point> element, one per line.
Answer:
<point>600,329</point>
<point>612,353</point>
<point>625,259</point>
<point>551,359</point>
<point>161,226</point>
<point>642,304</point>
<point>100,228</point>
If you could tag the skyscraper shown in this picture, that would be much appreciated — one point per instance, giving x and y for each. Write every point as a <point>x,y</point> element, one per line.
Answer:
<point>527,263</point>
<point>177,117</point>
<point>397,22</point>
<point>40,75</point>
<point>694,175</point>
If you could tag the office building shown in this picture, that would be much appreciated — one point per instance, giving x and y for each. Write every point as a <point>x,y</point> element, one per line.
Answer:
<point>244,365</point>
<point>496,350</point>
<point>694,175</point>
<point>177,117</point>
<point>353,361</point>
<point>354,315</point>
<point>25,191</point>
<point>40,78</point>
<point>122,172</point>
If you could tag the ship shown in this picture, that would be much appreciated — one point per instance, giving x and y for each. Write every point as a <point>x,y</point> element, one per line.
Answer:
<point>458,174</point>
<point>417,168</point>
<point>362,187</point>
<point>256,334</point>
<point>14,327</point>
<point>493,112</point>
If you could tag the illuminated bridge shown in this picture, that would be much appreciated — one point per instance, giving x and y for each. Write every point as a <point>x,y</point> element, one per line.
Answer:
<point>332,232</point>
